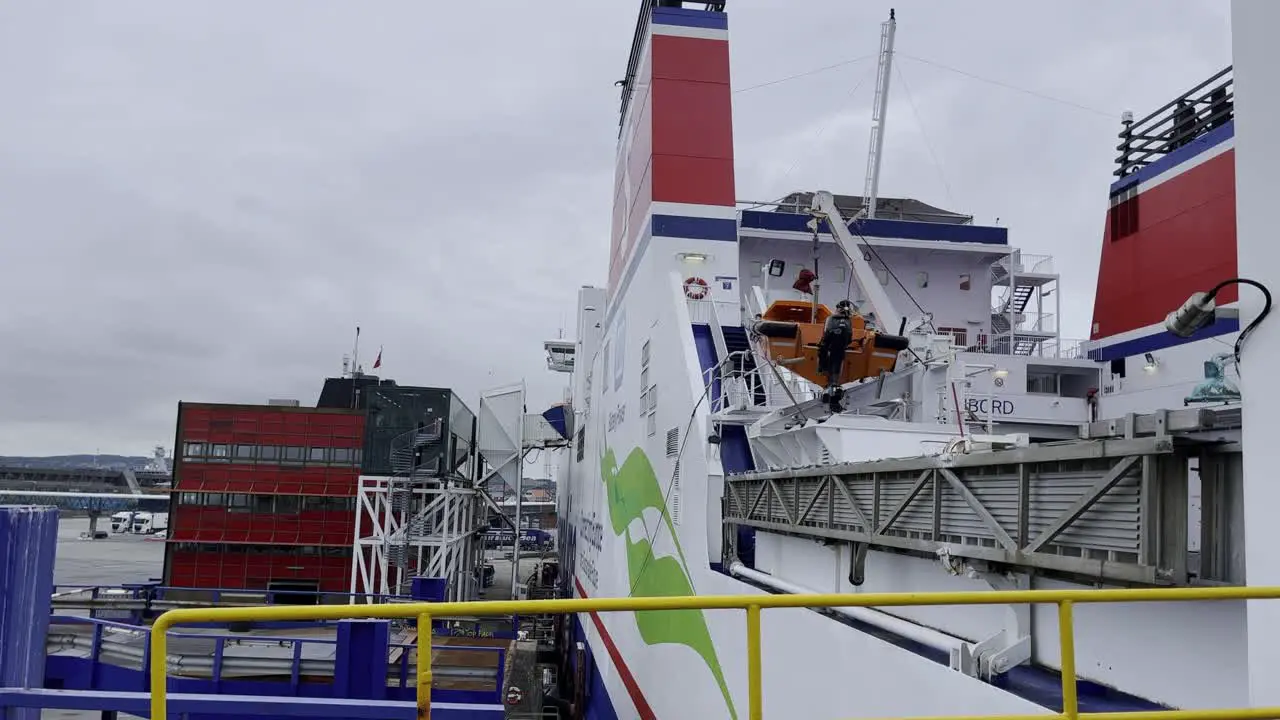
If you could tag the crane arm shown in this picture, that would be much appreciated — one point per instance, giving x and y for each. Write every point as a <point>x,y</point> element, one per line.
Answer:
<point>823,206</point>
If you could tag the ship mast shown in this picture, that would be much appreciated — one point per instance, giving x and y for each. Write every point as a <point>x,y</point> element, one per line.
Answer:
<point>871,190</point>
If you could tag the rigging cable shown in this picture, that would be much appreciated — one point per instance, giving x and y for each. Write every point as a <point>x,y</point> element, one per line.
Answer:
<point>821,129</point>
<point>924,135</point>
<point>1010,86</point>
<point>867,244</point>
<point>806,73</point>
<point>675,474</point>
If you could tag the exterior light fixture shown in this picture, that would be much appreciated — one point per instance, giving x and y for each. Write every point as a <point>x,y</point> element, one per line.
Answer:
<point>1200,310</point>
<point>1151,362</point>
<point>692,257</point>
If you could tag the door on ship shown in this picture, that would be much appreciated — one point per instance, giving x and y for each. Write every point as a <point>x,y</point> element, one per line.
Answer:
<point>294,592</point>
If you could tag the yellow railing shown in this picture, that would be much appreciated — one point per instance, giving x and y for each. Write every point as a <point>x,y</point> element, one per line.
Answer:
<point>753,604</point>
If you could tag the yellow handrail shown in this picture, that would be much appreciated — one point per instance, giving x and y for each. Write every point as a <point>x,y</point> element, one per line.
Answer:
<point>753,604</point>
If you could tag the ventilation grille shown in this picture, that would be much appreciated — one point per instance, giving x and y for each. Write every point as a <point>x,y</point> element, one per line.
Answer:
<point>673,442</point>
<point>675,493</point>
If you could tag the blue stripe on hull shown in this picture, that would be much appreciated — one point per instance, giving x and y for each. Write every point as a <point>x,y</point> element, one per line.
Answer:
<point>598,704</point>
<point>1162,341</point>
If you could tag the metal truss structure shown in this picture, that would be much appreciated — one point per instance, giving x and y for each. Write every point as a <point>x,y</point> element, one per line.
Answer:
<point>420,522</point>
<point>1113,507</point>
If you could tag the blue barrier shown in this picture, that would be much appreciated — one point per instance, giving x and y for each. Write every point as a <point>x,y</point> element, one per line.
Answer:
<point>28,544</point>
<point>359,689</point>
<point>355,652</point>
<point>194,704</point>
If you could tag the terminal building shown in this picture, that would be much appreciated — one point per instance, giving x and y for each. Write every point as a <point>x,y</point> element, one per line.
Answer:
<point>265,497</point>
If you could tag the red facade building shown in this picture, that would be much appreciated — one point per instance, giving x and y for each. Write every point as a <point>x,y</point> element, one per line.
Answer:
<point>264,497</point>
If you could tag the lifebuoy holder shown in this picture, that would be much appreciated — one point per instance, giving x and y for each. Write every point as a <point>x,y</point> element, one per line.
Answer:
<point>695,288</point>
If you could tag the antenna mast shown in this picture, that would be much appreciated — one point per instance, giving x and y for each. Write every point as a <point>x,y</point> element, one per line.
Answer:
<point>871,191</point>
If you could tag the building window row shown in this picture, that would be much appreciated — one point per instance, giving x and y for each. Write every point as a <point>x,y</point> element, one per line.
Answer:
<point>257,549</point>
<point>270,454</point>
<point>269,504</point>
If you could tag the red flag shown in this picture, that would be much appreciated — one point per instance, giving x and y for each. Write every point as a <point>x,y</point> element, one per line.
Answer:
<point>377,362</point>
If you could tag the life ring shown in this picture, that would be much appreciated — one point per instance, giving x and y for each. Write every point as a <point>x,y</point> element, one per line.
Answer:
<point>695,288</point>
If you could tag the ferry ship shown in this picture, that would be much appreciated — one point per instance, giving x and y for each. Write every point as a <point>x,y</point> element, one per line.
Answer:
<point>968,446</point>
<point>723,443</point>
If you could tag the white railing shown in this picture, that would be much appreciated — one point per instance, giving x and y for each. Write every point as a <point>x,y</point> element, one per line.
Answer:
<point>743,388</point>
<point>1018,263</point>
<point>1050,347</point>
<point>714,312</point>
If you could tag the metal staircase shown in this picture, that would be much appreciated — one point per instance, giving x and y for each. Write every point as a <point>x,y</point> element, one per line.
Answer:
<point>1010,314</point>
<point>742,362</point>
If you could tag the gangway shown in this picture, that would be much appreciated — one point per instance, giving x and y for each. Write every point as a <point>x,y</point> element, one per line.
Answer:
<point>1112,506</point>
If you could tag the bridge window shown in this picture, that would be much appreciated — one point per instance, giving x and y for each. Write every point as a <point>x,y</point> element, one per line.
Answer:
<point>960,336</point>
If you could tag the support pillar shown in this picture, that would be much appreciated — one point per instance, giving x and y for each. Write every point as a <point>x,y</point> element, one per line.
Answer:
<point>1257,104</point>
<point>360,661</point>
<point>28,544</point>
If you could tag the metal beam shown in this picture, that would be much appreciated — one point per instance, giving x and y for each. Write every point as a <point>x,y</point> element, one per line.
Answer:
<point>1083,503</point>
<point>906,501</point>
<point>1073,565</point>
<point>1056,452</point>
<point>978,508</point>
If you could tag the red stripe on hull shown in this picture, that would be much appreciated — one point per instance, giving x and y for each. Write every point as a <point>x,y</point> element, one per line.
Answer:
<point>1185,242</point>
<point>628,680</point>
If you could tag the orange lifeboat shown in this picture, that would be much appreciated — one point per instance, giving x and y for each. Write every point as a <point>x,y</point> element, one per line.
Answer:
<point>792,333</point>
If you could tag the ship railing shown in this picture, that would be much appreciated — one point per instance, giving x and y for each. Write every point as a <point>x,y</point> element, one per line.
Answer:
<point>1032,345</point>
<point>886,209</point>
<point>1203,108</point>
<point>1028,321</point>
<point>751,605</point>
<point>746,379</point>
<point>1018,262</point>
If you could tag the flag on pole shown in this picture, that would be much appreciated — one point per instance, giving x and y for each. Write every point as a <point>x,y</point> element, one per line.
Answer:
<point>377,362</point>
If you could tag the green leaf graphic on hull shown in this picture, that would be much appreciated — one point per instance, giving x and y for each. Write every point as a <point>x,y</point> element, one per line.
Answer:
<point>631,490</point>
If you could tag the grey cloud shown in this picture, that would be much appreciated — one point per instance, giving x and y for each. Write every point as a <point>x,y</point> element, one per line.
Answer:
<point>201,200</point>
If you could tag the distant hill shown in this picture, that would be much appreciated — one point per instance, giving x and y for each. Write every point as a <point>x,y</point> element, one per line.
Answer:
<point>113,462</point>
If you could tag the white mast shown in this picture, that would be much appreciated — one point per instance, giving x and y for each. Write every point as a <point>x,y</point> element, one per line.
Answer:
<point>872,189</point>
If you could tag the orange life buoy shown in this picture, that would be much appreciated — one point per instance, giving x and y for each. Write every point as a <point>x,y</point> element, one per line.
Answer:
<point>695,288</point>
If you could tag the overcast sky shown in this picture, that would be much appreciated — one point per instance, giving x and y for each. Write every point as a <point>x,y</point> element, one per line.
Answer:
<point>201,200</point>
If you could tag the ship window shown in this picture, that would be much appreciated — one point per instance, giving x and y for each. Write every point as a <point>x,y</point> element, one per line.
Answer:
<point>959,335</point>
<point>342,455</point>
<point>238,502</point>
<point>193,449</point>
<point>219,450</point>
<point>1117,367</point>
<point>882,276</point>
<point>1124,215</point>
<point>966,282</point>
<point>288,504</point>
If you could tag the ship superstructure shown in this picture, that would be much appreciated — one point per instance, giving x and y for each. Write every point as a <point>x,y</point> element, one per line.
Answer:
<point>707,461</point>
